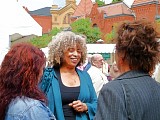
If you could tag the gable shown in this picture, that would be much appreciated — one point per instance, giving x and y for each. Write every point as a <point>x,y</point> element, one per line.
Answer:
<point>115,9</point>
<point>143,2</point>
<point>84,8</point>
<point>66,8</point>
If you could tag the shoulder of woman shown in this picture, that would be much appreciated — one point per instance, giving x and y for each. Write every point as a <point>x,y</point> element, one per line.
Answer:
<point>84,73</point>
<point>86,77</point>
<point>21,108</point>
<point>21,104</point>
<point>48,69</point>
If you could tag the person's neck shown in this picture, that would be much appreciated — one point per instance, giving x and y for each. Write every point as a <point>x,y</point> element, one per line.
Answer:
<point>124,69</point>
<point>65,69</point>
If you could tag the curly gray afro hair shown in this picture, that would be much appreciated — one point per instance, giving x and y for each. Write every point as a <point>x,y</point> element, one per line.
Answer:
<point>61,42</point>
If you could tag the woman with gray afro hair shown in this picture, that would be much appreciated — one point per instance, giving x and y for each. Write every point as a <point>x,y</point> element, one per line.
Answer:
<point>70,92</point>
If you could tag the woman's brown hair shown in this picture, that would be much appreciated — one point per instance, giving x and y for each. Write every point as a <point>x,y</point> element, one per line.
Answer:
<point>137,41</point>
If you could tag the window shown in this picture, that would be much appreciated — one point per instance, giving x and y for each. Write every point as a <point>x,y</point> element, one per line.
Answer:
<point>67,18</point>
<point>55,18</point>
<point>64,20</point>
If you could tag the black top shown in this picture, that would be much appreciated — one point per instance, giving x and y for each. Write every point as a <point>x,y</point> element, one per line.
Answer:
<point>68,95</point>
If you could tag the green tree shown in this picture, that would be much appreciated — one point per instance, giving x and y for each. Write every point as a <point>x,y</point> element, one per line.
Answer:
<point>100,3</point>
<point>114,1</point>
<point>84,26</point>
<point>43,40</point>
<point>110,36</point>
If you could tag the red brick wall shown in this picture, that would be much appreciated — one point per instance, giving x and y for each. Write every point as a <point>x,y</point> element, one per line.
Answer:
<point>148,12</point>
<point>96,17</point>
<point>159,9</point>
<point>104,24</point>
<point>115,20</point>
<point>45,22</point>
<point>145,12</point>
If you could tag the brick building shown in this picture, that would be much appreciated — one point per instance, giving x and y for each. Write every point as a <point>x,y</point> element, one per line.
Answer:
<point>43,18</point>
<point>146,9</point>
<point>104,17</point>
<point>107,16</point>
<point>54,16</point>
<point>83,10</point>
<point>61,16</point>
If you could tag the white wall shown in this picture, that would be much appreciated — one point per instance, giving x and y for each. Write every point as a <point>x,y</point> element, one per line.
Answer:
<point>14,19</point>
<point>4,45</point>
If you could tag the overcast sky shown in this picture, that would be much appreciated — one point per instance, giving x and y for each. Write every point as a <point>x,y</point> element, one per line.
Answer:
<point>36,4</point>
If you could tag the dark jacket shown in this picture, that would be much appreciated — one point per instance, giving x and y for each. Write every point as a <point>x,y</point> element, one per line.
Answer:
<point>132,96</point>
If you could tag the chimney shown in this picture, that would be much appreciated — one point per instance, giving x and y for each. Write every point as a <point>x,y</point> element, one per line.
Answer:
<point>54,6</point>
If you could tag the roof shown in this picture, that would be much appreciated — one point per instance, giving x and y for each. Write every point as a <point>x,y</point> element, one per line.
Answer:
<point>83,8</point>
<point>115,9</point>
<point>63,9</point>
<point>41,12</point>
<point>138,2</point>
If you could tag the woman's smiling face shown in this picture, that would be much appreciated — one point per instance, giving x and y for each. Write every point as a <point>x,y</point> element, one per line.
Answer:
<point>72,56</point>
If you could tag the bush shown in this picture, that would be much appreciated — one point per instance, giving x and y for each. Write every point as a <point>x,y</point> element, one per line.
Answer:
<point>43,40</point>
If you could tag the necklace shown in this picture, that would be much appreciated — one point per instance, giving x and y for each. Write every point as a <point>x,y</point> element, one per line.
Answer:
<point>70,79</point>
<point>74,79</point>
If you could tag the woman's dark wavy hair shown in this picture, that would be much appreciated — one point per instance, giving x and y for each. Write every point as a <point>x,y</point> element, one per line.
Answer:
<point>137,41</point>
<point>19,75</point>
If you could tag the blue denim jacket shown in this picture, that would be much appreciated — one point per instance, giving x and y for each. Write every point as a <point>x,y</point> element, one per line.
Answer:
<point>28,109</point>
